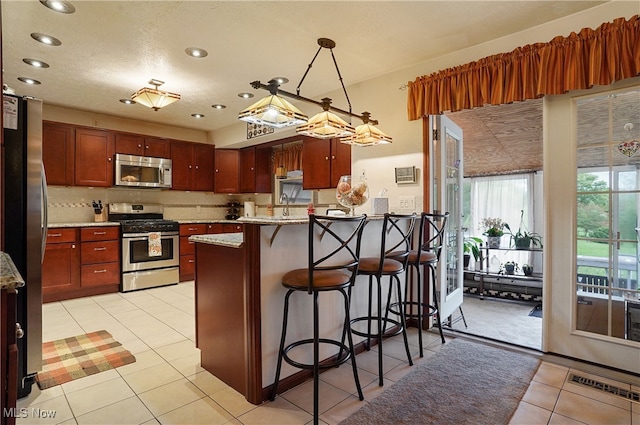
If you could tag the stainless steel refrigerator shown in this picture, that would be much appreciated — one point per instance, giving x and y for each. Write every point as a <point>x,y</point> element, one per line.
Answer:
<point>25,221</point>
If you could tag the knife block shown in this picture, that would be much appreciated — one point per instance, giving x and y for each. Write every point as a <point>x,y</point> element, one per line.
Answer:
<point>102,217</point>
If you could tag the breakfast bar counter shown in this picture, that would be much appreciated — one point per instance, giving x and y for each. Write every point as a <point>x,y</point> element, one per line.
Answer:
<point>239,300</point>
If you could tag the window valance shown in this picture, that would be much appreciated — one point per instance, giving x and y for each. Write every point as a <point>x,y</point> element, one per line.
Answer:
<point>591,57</point>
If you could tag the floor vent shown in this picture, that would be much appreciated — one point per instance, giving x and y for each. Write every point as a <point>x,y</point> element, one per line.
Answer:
<point>611,389</point>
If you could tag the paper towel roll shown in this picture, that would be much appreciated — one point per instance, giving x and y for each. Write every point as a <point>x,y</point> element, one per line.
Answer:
<point>249,209</point>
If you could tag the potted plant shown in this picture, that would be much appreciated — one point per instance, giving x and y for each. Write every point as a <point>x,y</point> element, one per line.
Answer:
<point>510,267</point>
<point>522,239</point>
<point>471,246</point>
<point>527,269</point>
<point>493,231</point>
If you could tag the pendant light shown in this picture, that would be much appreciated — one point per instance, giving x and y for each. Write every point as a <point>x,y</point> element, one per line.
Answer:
<point>326,124</point>
<point>367,134</point>
<point>273,111</point>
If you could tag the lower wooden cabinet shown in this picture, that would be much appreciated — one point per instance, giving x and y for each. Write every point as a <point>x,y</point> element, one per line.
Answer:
<point>80,262</point>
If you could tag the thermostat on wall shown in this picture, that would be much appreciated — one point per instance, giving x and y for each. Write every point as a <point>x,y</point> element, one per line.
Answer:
<point>405,175</point>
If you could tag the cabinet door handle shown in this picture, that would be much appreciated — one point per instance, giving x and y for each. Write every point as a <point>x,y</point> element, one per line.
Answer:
<point>189,166</point>
<point>326,158</point>
<point>100,271</point>
<point>146,147</point>
<point>197,167</point>
<point>192,261</point>
<point>100,249</point>
<point>73,246</point>
<point>19,331</point>
<point>217,171</point>
<point>139,146</point>
<point>333,157</point>
<point>192,228</point>
<point>109,159</point>
<point>54,235</point>
<point>99,233</point>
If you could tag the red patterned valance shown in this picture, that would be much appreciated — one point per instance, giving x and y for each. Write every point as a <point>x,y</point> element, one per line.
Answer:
<point>592,57</point>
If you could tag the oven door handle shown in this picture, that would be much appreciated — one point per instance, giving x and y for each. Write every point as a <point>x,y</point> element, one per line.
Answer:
<point>143,236</point>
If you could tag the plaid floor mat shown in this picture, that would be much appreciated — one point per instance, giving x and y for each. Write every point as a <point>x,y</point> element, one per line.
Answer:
<point>67,359</point>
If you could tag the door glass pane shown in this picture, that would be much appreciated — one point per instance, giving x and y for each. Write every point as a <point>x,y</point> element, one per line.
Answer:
<point>607,204</point>
<point>454,186</point>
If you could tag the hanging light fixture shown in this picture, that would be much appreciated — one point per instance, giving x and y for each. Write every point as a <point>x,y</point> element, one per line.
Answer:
<point>275,111</point>
<point>154,98</point>
<point>367,134</point>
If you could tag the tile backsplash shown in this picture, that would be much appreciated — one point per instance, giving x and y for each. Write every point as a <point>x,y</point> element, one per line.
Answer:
<point>74,204</point>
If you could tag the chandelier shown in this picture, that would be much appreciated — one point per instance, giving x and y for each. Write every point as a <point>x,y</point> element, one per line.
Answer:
<point>154,98</point>
<point>275,111</point>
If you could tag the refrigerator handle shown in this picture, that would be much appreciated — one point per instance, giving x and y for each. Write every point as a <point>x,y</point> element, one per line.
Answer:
<point>45,212</point>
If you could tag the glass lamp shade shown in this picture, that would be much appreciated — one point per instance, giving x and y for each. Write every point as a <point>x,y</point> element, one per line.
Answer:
<point>326,125</point>
<point>367,135</point>
<point>154,98</point>
<point>273,111</point>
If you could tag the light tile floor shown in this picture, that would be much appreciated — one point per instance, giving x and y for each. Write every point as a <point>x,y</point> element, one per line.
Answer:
<point>167,385</point>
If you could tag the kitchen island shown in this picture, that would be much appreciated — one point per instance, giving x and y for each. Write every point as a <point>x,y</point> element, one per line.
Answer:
<point>239,301</point>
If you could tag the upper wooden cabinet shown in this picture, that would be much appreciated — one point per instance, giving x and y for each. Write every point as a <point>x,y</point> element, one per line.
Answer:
<point>325,160</point>
<point>255,170</point>
<point>193,165</point>
<point>94,157</point>
<point>134,144</point>
<point>227,176</point>
<point>58,153</point>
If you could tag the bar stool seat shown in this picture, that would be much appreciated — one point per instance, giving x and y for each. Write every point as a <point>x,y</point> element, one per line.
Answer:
<point>332,266</point>
<point>391,262</point>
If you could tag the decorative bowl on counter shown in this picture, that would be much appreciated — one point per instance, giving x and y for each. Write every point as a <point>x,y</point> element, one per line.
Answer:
<point>352,192</point>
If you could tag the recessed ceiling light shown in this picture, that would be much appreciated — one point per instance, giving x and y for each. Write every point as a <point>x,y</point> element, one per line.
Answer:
<point>280,80</point>
<point>218,106</point>
<point>45,39</point>
<point>29,81</point>
<point>128,101</point>
<point>59,6</point>
<point>36,63</point>
<point>197,115</point>
<point>245,95</point>
<point>196,52</point>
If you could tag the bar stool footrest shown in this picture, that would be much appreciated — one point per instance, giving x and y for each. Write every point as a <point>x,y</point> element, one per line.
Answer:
<point>432,309</point>
<point>385,334</point>
<point>324,365</point>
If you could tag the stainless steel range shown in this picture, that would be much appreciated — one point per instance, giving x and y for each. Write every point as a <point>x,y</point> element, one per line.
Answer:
<point>150,246</point>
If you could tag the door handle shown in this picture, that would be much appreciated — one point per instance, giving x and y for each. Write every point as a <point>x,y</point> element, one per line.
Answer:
<point>19,331</point>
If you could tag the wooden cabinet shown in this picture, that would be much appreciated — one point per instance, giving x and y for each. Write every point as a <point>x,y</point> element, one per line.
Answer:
<point>325,160</point>
<point>100,256</point>
<point>135,144</point>
<point>94,157</point>
<point>61,265</point>
<point>227,176</point>
<point>255,170</point>
<point>80,262</point>
<point>193,165</point>
<point>58,153</point>
<point>187,249</point>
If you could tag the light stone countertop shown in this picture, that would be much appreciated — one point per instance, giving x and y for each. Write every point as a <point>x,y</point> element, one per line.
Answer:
<point>10,277</point>
<point>206,221</point>
<point>279,220</point>
<point>231,240</point>
<point>83,224</point>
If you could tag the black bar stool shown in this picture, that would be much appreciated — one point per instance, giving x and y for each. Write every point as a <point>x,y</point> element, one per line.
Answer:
<point>427,253</point>
<point>333,265</point>
<point>392,261</point>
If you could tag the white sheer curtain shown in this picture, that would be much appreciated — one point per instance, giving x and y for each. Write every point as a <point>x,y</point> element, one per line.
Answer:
<point>503,197</point>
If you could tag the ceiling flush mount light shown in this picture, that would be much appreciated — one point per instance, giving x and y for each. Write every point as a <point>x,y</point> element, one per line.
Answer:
<point>154,98</point>
<point>36,63</point>
<point>323,125</point>
<point>59,6</point>
<point>29,81</point>
<point>196,52</point>
<point>45,39</point>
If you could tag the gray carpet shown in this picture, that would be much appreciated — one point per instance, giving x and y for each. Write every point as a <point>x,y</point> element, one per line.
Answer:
<point>464,383</point>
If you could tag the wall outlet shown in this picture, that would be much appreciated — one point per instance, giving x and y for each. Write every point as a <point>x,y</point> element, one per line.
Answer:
<point>408,203</point>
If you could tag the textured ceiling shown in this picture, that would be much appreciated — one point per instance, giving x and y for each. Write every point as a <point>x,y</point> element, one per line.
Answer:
<point>111,49</point>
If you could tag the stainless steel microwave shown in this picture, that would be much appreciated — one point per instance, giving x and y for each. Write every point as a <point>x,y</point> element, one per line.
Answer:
<point>142,171</point>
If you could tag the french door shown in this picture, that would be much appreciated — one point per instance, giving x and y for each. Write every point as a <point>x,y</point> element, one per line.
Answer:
<point>593,295</point>
<point>445,156</point>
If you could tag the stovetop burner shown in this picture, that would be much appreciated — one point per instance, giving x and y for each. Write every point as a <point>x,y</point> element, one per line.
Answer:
<point>139,218</point>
